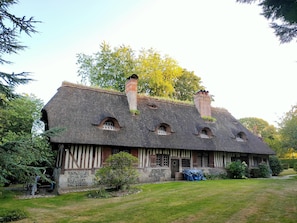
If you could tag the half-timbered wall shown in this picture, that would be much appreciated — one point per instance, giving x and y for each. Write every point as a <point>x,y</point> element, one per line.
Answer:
<point>77,164</point>
<point>78,157</point>
<point>144,155</point>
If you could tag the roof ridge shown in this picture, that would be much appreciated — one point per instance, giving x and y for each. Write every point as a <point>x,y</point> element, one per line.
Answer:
<point>140,96</point>
<point>90,88</point>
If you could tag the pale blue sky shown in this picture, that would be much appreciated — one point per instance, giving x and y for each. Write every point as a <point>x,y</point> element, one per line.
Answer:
<point>229,45</point>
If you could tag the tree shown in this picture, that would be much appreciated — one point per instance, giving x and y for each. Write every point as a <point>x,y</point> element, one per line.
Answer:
<point>283,17</point>
<point>19,114</point>
<point>11,27</point>
<point>158,75</point>
<point>119,172</point>
<point>23,154</point>
<point>288,129</point>
<point>107,68</point>
<point>186,86</point>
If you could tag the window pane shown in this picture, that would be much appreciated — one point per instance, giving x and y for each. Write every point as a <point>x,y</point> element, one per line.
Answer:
<point>185,162</point>
<point>108,125</point>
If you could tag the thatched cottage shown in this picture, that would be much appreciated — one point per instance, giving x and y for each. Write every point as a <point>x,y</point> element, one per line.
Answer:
<point>166,136</point>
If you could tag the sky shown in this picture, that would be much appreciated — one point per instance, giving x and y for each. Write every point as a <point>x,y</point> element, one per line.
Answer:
<point>229,45</point>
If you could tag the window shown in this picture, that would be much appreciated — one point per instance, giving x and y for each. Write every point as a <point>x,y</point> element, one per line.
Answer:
<point>205,133</point>
<point>108,125</point>
<point>186,163</point>
<point>162,160</point>
<point>241,137</point>
<point>163,129</point>
<point>203,159</point>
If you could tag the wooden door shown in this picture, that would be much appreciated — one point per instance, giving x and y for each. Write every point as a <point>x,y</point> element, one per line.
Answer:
<point>174,167</point>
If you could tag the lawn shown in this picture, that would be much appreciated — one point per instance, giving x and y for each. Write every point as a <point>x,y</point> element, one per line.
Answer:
<point>250,200</point>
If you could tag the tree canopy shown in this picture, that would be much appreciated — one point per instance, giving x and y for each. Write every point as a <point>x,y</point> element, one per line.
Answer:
<point>158,75</point>
<point>283,17</point>
<point>11,27</point>
<point>23,153</point>
<point>288,129</point>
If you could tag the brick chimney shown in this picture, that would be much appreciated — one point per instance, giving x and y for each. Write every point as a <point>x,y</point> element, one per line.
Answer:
<point>202,102</point>
<point>131,91</point>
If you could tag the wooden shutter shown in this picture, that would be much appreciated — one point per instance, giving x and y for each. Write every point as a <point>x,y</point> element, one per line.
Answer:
<point>153,160</point>
<point>134,152</point>
<point>211,159</point>
<point>106,152</point>
<point>195,158</point>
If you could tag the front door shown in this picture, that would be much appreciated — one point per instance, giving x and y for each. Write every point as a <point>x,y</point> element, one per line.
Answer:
<point>174,167</point>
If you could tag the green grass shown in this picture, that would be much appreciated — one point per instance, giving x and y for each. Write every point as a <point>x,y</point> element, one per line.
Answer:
<point>286,172</point>
<point>251,200</point>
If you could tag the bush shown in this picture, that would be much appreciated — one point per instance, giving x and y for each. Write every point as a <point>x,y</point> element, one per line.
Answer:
<point>275,165</point>
<point>289,162</point>
<point>219,176</point>
<point>237,170</point>
<point>7,215</point>
<point>264,170</point>
<point>295,167</point>
<point>119,172</point>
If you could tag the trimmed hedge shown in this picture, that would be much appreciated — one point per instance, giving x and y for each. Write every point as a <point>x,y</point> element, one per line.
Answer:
<point>288,163</point>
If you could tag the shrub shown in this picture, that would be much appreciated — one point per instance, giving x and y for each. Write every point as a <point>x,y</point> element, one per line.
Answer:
<point>295,167</point>
<point>7,215</point>
<point>219,176</point>
<point>119,172</point>
<point>237,170</point>
<point>275,165</point>
<point>100,193</point>
<point>264,170</point>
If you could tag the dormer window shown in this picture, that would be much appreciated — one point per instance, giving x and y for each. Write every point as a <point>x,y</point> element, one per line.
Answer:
<point>163,129</point>
<point>110,124</point>
<point>206,133</point>
<point>241,137</point>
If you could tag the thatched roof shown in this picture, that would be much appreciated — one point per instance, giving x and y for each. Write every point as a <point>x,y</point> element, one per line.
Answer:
<point>81,109</point>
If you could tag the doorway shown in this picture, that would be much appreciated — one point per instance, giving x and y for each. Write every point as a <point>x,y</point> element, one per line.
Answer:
<point>174,167</point>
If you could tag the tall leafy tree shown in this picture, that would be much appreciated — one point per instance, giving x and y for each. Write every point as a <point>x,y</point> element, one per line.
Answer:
<point>186,86</point>
<point>288,129</point>
<point>283,17</point>
<point>107,68</point>
<point>11,26</point>
<point>22,154</point>
<point>158,75</point>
